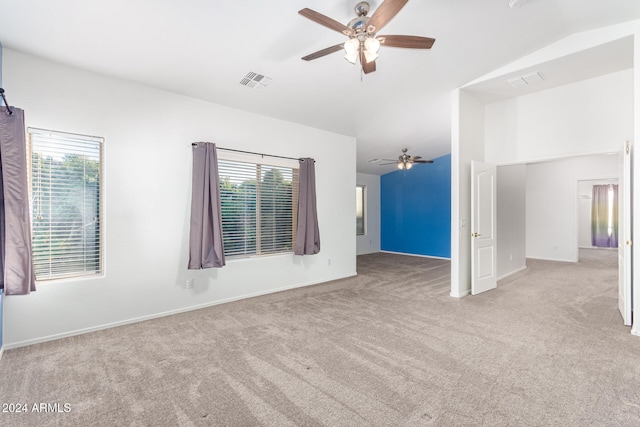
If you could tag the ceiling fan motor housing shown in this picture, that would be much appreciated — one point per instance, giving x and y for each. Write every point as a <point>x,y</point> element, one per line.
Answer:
<point>362,8</point>
<point>359,25</point>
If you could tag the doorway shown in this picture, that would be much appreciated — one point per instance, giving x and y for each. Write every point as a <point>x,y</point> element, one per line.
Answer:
<point>539,206</point>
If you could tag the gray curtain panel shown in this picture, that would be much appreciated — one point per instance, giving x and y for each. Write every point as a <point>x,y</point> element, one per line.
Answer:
<point>307,234</point>
<point>16,262</point>
<point>205,238</point>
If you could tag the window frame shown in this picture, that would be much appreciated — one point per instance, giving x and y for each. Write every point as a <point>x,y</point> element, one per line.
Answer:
<point>100,247</point>
<point>259,162</point>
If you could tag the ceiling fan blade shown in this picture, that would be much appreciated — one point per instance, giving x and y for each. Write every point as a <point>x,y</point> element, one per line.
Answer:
<point>410,42</point>
<point>325,20</point>
<point>422,161</point>
<point>416,157</point>
<point>385,13</point>
<point>323,52</point>
<point>392,163</point>
<point>367,67</point>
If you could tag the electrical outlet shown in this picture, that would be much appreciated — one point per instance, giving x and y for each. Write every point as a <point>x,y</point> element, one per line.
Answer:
<point>189,284</point>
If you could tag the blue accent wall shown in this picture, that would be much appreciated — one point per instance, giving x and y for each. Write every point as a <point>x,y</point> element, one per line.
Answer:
<point>415,209</point>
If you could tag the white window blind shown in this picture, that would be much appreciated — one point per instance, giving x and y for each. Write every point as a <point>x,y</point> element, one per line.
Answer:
<point>65,181</point>
<point>259,205</point>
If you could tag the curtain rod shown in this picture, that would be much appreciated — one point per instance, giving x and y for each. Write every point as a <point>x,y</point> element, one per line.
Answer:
<point>9,110</point>
<point>253,152</point>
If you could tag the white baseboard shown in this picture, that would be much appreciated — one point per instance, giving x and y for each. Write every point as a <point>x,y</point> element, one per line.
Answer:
<point>597,248</point>
<point>460,295</point>
<point>635,330</point>
<point>504,276</point>
<point>1,351</point>
<point>552,259</point>
<point>418,255</point>
<point>53,337</point>
<point>468,291</point>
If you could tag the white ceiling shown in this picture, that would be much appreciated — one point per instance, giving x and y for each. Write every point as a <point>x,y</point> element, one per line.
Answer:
<point>203,48</point>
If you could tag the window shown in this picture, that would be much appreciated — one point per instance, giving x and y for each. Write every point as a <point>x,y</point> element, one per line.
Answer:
<point>604,216</point>
<point>259,207</point>
<point>66,209</point>
<point>360,208</point>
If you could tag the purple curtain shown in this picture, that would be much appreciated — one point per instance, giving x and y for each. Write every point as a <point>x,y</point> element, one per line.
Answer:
<point>205,238</point>
<point>604,216</point>
<point>307,234</point>
<point>16,263</point>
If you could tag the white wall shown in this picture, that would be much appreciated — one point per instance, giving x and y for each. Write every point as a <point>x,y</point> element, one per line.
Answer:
<point>511,183</point>
<point>467,144</point>
<point>148,135</point>
<point>629,131</point>
<point>370,242</point>
<point>583,118</point>
<point>588,117</point>
<point>635,176</point>
<point>585,200</point>
<point>552,203</point>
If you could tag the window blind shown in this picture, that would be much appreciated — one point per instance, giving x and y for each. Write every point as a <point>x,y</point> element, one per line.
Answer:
<point>65,181</point>
<point>259,204</point>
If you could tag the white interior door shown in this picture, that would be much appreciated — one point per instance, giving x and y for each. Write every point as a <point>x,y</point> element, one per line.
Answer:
<point>483,227</point>
<point>624,236</point>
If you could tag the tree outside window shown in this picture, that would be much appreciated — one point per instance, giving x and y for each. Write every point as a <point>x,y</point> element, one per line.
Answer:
<point>258,204</point>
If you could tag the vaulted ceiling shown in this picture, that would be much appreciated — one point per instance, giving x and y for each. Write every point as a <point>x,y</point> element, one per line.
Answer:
<point>204,48</point>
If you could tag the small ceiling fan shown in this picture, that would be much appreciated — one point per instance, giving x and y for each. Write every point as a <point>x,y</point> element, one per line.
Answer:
<point>406,161</point>
<point>364,42</point>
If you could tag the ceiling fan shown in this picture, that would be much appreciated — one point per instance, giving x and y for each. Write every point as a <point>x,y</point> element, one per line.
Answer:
<point>406,161</point>
<point>364,42</point>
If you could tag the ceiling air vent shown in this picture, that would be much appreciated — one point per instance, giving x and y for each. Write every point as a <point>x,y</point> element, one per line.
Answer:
<point>519,82</point>
<point>255,80</point>
<point>533,78</point>
<point>529,79</point>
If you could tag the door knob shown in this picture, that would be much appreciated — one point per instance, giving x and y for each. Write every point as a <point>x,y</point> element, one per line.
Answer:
<point>476,234</point>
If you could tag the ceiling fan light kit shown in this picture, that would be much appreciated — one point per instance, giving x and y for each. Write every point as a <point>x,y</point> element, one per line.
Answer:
<point>364,43</point>
<point>370,57</point>
<point>405,161</point>
<point>372,45</point>
<point>351,48</point>
<point>403,165</point>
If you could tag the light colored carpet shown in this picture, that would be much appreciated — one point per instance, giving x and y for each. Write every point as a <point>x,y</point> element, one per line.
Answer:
<point>388,347</point>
